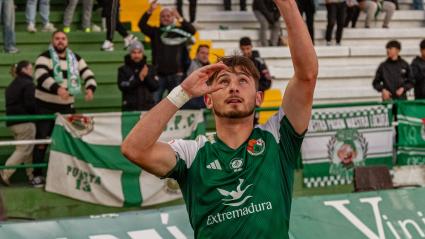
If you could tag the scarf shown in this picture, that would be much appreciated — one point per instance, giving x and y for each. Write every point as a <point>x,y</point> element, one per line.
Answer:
<point>73,75</point>
<point>167,39</point>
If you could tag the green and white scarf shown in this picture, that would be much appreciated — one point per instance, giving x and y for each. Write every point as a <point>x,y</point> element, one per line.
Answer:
<point>183,36</point>
<point>73,75</point>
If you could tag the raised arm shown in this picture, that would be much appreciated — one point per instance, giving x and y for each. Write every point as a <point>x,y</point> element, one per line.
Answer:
<point>143,22</point>
<point>298,97</point>
<point>142,146</point>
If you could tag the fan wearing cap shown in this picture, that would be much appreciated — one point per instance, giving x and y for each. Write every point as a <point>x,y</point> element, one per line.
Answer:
<point>136,80</point>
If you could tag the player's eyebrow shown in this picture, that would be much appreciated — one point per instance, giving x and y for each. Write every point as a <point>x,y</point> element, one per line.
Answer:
<point>227,74</point>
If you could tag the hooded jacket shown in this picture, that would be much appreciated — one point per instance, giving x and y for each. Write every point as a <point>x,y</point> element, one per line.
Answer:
<point>20,98</point>
<point>136,94</point>
<point>391,75</point>
<point>418,70</point>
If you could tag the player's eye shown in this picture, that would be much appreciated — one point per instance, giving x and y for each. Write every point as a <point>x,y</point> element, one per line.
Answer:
<point>243,80</point>
<point>224,82</point>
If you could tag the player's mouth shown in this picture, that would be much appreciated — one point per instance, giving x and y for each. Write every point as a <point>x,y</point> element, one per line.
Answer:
<point>233,100</point>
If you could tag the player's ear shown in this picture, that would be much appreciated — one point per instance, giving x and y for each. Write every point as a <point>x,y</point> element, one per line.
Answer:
<point>259,97</point>
<point>208,101</point>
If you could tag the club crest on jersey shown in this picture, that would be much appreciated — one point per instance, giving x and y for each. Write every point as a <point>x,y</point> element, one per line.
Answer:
<point>236,164</point>
<point>256,146</point>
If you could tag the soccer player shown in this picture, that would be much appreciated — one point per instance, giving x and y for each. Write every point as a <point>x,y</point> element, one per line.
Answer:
<point>237,184</point>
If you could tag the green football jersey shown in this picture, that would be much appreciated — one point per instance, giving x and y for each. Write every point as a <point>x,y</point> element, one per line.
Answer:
<point>244,192</point>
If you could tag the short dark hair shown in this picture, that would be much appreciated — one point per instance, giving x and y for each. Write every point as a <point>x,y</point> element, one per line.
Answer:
<point>20,66</point>
<point>245,41</point>
<point>58,31</point>
<point>245,64</point>
<point>202,45</point>
<point>422,44</point>
<point>393,44</point>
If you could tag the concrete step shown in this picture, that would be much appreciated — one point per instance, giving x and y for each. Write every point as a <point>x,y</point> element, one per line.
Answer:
<point>207,6</point>
<point>238,20</point>
<point>409,37</point>
<point>335,84</point>
<point>333,55</point>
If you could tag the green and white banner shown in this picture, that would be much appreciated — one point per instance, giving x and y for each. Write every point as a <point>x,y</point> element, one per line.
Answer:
<point>86,162</point>
<point>342,138</point>
<point>387,214</point>
<point>411,133</point>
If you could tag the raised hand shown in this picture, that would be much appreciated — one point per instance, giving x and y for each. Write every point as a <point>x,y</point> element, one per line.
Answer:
<point>176,14</point>
<point>153,6</point>
<point>196,83</point>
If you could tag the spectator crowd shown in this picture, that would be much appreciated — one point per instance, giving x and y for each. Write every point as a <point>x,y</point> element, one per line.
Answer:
<point>61,74</point>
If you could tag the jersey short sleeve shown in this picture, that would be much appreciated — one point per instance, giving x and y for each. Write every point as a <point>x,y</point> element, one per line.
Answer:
<point>186,151</point>
<point>284,133</point>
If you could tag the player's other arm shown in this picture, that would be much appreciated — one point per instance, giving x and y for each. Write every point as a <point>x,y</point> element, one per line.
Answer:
<point>298,97</point>
<point>142,146</point>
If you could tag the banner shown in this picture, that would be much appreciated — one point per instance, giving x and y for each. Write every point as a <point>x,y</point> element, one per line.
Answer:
<point>388,214</point>
<point>411,133</point>
<point>86,161</point>
<point>339,139</point>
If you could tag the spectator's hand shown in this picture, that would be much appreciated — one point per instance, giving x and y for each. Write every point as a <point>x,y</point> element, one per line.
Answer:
<point>63,93</point>
<point>400,91</point>
<point>196,83</point>
<point>386,95</point>
<point>143,73</point>
<point>89,95</point>
<point>153,6</point>
<point>177,15</point>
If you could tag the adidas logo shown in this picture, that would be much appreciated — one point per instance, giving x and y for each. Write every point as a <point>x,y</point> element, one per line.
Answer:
<point>214,165</point>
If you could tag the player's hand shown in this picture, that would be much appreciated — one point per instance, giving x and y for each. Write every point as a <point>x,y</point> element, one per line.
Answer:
<point>196,83</point>
<point>153,6</point>
<point>143,73</point>
<point>386,95</point>
<point>400,91</point>
<point>63,93</point>
<point>89,95</point>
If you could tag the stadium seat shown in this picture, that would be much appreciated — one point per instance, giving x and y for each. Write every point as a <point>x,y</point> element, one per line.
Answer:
<point>272,98</point>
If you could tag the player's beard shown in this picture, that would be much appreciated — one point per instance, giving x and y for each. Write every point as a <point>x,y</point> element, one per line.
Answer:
<point>235,114</point>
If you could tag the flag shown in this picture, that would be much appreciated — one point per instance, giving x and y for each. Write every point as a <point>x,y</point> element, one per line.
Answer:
<point>411,133</point>
<point>342,138</point>
<point>86,162</point>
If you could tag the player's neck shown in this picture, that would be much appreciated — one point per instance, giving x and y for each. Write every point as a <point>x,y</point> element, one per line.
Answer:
<point>234,132</point>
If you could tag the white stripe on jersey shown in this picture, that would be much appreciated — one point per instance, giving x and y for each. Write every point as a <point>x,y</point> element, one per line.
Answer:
<point>187,149</point>
<point>273,124</point>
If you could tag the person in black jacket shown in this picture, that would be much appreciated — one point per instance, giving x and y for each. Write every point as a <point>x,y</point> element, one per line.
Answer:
<point>137,80</point>
<point>393,77</point>
<point>268,15</point>
<point>245,45</point>
<point>418,70</point>
<point>20,100</point>
<point>169,47</point>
